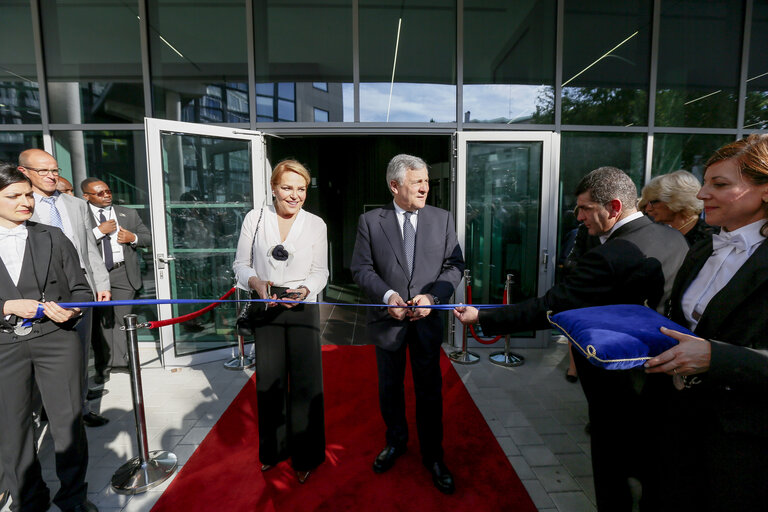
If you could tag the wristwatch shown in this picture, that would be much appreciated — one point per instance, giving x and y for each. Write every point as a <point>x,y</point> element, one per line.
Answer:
<point>435,300</point>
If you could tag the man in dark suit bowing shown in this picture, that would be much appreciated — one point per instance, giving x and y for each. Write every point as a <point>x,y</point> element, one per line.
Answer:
<point>406,253</point>
<point>636,263</point>
<point>119,232</point>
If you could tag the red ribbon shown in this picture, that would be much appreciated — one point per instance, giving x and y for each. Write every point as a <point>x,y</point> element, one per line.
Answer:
<point>189,316</point>
<point>472,327</point>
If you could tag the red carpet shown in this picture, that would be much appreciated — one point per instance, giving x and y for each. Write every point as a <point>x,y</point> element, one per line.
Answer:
<point>224,472</point>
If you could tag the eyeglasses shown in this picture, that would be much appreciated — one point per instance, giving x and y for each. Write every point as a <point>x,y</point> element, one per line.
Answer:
<point>43,172</point>
<point>101,193</point>
<point>653,202</point>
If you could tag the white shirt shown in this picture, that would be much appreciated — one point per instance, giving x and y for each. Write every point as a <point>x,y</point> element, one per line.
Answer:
<point>400,214</point>
<point>625,220</point>
<point>13,245</point>
<point>109,214</point>
<point>306,243</point>
<point>719,268</point>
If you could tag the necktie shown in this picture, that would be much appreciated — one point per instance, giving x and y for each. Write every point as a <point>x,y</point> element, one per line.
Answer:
<point>409,241</point>
<point>723,240</point>
<point>55,215</point>
<point>107,244</point>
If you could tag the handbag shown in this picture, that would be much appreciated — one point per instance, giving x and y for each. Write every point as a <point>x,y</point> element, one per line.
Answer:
<point>253,312</point>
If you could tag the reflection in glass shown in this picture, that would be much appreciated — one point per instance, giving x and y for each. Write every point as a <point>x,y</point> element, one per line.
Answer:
<point>691,89</point>
<point>756,114</point>
<point>582,152</point>
<point>13,143</point>
<point>509,61</point>
<point>502,218</point>
<point>93,61</point>
<point>674,151</point>
<point>207,194</point>
<point>303,61</point>
<point>193,80</point>
<point>19,97</point>
<point>424,72</point>
<point>606,55</point>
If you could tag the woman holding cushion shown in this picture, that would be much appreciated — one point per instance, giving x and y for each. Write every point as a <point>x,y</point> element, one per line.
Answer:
<point>283,254</point>
<point>720,441</point>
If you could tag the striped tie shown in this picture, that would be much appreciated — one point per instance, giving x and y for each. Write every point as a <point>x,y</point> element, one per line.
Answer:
<point>55,215</point>
<point>109,261</point>
<point>409,241</point>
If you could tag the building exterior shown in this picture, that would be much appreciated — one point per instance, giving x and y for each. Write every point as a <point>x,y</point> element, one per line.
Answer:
<point>559,86</point>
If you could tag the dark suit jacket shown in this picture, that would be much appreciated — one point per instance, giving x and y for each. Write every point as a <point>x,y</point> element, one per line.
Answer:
<point>59,276</point>
<point>129,219</point>
<point>636,264</point>
<point>736,321</point>
<point>379,265</point>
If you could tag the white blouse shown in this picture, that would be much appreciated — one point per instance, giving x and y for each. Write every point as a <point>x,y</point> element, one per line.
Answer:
<point>306,244</point>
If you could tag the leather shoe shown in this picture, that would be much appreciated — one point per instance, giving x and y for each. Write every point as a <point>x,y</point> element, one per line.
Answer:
<point>102,376</point>
<point>386,459</point>
<point>93,394</point>
<point>571,378</point>
<point>94,420</point>
<point>302,476</point>
<point>85,506</point>
<point>441,477</point>
<point>266,467</point>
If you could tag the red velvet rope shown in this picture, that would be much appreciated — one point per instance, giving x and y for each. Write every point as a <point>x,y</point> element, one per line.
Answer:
<point>189,316</point>
<point>472,327</point>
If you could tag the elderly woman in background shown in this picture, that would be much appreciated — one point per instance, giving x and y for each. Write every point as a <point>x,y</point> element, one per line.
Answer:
<point>283,253</point>
<point>716,425</point>
<point>671,199</point>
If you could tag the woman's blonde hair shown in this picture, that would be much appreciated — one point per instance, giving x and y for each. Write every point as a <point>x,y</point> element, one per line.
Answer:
<point>677,190</point>
<point>288,166</point>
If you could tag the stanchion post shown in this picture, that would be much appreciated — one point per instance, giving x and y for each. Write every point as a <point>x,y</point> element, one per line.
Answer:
<point>463,356</point>
<point>149,469</point>
<point>241,362</point>
<point>506,358</point>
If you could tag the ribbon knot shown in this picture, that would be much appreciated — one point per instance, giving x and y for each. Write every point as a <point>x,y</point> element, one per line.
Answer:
<point>738,241</point>
<point>21,234</point>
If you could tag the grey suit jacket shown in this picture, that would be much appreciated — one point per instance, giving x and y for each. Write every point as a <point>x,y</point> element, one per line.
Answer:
<point>129,219</point>
<point>84,241</point>
<point>379,264</point>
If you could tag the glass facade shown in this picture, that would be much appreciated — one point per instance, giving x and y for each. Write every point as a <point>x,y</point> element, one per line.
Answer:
<point>19,98</point>
<point>756,114</point>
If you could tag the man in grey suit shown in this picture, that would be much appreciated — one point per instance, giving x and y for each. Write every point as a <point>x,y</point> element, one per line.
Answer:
<point>119,232</point>
<point>70,214</point>
<point>406,253</point>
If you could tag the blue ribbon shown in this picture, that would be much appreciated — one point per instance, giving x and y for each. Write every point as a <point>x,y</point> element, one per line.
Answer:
<point>153,302</point>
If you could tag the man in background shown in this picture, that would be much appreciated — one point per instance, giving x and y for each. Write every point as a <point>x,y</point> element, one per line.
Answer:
<point>119,232</point>
<point>64,186</point>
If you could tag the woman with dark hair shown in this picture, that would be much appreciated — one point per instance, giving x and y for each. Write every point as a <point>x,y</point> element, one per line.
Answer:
<point>38,268</point>
<point>283,254</point>
<point>718,438</point>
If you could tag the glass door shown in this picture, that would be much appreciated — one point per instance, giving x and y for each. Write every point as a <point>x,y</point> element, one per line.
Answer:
<point>506,219</point>
<point>203,181</point>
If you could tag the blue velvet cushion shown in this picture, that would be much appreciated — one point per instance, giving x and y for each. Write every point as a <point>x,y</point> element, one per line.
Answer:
<point>616,337</point>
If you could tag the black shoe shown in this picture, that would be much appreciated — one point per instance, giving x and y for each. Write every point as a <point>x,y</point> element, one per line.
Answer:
<point>94,420</point>
<point>386,459</point>
<point>571,378</point>
<point>85,506</point>
<point>102,376</point>
<point>93,394</point>
<point>441,477</point>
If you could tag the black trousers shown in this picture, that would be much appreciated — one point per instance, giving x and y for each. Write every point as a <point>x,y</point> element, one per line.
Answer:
<point>110,349</point>
<point>427,382</point>
<point>54,363</point>
<point>619,439</point>
<point>289,384</point>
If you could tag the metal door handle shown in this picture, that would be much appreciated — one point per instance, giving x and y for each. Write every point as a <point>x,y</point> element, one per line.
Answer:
<point>162,259</point>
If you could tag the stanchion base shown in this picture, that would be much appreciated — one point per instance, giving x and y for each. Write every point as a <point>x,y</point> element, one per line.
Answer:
<point>133,477</point>
<point>240,363</point>
<point>508,360</point>
<point>464,357</point>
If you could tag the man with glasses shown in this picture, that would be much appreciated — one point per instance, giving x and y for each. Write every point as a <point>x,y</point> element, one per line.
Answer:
<point>70,214</point>
<point>119,232</point>
<point>635,263</point>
